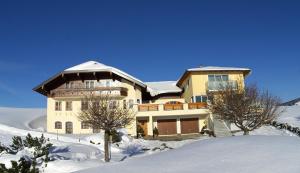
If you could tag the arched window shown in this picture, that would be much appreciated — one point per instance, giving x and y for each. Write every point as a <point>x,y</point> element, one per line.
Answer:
<point>58,125</point>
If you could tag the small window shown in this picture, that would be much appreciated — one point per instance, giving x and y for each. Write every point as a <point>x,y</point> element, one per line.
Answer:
<point>108,83</point>
<point>138,101</point>
<point>124,104</point>
<point>199,99</point>
<point>130,103</point>
<point>96,104</point>
<point>58,125</point>
<point>85,125</point>
<point>68,106</point>
<point>58,106</point>
<point>84,105</point>
<point>113,104</point>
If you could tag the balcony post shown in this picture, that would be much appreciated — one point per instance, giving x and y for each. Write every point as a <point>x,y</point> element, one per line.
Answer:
<point>160,107</point>
<point>150,126</point>
<point>185,106</point>
<point>178,125</point>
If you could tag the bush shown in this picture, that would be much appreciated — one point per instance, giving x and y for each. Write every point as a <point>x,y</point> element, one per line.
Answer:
<point>17,144</point>
<point>155,132</point>
<point>41,152</point>
<point>22,166</point>
<point>140,131</point>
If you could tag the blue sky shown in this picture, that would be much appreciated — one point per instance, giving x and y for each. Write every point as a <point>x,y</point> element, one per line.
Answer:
<point>152,40</point>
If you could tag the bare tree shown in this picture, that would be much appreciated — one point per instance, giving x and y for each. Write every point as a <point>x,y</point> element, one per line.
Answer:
<point>248,109</point>
<point>106,113</point>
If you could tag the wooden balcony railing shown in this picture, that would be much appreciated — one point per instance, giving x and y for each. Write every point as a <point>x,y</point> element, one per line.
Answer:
<point>197,105</point>
<point>148,107</point>
<point>75,92</point>
<point>170,107</point>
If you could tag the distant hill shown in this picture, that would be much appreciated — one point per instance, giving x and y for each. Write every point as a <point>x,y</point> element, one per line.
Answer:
<point>292,102</point>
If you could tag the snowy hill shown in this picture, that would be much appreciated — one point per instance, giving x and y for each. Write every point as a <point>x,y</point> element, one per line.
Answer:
<point>292,102</point>
<point>247,154</point>
<point>22,118</point>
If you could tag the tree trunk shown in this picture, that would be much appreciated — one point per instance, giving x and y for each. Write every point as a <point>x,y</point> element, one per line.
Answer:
<point>106,149</point>
<point>246,132</point>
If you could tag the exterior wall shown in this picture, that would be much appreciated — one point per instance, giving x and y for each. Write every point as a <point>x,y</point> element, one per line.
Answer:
<point>188,92</point>
<point>198,84</point>
<point>165,100</point>
<point>134,93</point>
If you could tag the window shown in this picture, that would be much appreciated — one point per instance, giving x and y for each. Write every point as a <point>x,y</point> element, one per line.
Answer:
<point>95,104</point>
<point>68,106</point>
<point>138,101</point>
<point>113,104</point>
<point>89,84</point>
<point>69,85</point>
<point>58,125</point>
<point>200,99</point>
<point>130,103</point>
<point>58,106</point>
<point>108,83</point>
<point>84,125</point>
<point>84,105</point>
<point>124,104</point>
<point>217,78</point>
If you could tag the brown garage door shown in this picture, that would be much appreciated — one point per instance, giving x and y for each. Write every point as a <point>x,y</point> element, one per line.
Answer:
<point>189,125</point>
<point>167,127</point>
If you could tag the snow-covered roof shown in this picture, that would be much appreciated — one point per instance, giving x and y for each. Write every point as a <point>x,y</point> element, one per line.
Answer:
<point>94,66</point>
<point>162,87</point>
<point>215,68</point>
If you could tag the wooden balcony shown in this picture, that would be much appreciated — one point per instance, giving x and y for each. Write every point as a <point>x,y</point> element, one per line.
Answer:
<point>170,107</point>
<point>80,92</point>
<point>197,105</point>
<point>148,107</point>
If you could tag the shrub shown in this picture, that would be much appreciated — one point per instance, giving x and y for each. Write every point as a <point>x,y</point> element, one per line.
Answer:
<point>22,166</point>
<point>140,131</point>
<point>155,132</point>
<point>17,144</point>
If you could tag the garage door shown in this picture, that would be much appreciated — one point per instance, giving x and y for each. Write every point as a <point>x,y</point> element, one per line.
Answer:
<point>189,125</point>
<point>167,127</point>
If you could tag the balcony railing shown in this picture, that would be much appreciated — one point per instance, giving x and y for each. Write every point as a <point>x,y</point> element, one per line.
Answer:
<point>148,107</point>
<point>197,105</point>
<point>75,92</point>
<point>222,85</point>
<point>171,107</point>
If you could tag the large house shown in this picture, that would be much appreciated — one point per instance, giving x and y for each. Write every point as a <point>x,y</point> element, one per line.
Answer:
<point>173,107</point>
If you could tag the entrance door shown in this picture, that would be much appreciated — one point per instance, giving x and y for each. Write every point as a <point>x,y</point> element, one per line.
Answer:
<point>167,127</point>
<point>144,125</point>
<point>69,127</point>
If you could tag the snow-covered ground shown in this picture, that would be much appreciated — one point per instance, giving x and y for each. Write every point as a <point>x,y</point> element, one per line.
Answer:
<point>246,154</point>
<point>290,115</point>
<point>266,149</point>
